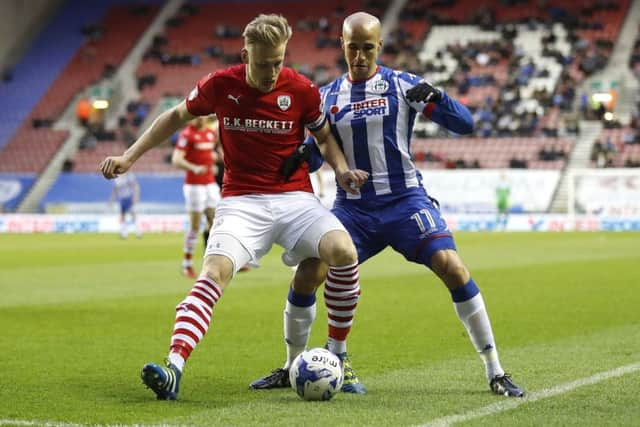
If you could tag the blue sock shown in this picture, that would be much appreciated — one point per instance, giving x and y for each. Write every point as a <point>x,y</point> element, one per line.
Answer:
<point>300,300</point>
<point>465,292</point>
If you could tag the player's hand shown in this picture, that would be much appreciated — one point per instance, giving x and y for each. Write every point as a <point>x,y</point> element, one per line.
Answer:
<point>199,169</point>
<point>293,162</point>
<point>352,180</point>
<point>113,166</point>
<point>424,92</point>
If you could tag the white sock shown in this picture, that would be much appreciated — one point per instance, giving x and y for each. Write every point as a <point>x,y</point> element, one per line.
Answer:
<point>177,360</point>
<point>335,346</point>
<point>297,328</point>
<point>190,238</point>
<point>473,315</point>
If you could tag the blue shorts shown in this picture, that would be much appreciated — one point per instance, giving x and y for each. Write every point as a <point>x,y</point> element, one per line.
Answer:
<point>411,225</point>
<point>125,205</point>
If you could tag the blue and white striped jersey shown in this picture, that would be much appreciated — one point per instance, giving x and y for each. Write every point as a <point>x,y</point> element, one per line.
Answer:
<point>372,121</point>
<point>124,186</point>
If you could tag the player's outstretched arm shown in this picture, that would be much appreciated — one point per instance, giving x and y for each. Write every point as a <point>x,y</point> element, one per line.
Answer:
<point>349,179</point>
<point>444,110</point>
<point>161,129</point>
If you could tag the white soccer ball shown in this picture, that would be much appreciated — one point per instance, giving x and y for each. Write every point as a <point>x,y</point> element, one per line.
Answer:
<point>316,374</point>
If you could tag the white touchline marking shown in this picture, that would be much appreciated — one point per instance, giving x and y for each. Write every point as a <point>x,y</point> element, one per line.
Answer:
<point>38,423</point>
<point>28,423</point>
<point>513,402</point>
<point>494,408</point>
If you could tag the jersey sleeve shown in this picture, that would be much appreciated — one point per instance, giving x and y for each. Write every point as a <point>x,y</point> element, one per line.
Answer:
<point>448,112</point>
<point>451,114</point>
<point>316,159</point>
<point>313,115</point>
<point>200,101</point>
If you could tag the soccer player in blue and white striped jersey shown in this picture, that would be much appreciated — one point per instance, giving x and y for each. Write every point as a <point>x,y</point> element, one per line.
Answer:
<point>371,110</point>
<point>127,191</point>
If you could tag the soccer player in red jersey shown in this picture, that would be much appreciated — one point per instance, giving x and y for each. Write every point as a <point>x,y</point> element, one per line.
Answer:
<point>264,109</point>
<point>195,152</point>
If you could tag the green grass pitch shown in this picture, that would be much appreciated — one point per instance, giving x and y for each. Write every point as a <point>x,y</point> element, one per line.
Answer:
<point>81,314</point>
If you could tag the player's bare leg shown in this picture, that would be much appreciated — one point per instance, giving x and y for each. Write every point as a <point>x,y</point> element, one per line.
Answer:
<point>471,311</point>
<point>209,214</point>
<point>190,239</point>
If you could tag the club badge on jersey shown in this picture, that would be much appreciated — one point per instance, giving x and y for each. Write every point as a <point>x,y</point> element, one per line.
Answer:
<point>284,102</point>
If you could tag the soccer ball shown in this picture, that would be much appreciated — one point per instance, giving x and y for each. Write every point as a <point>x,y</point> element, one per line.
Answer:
<point>316,374</point>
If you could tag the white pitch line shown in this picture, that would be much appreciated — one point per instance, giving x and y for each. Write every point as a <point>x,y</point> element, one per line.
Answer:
<point>28,423</point>
<point>37,423</point>
<point>512,403</point>
<point>494,408</point>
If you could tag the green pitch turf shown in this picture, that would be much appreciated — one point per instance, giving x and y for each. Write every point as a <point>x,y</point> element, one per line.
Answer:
<point>81,314</point>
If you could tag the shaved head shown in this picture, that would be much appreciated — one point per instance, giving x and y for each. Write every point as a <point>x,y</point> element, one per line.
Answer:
<point>361,21</point>
<point>362,44</point>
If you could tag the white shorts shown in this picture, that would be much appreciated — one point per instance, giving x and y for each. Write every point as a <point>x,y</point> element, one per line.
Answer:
<point>198,197</point>
<point>245,227</point>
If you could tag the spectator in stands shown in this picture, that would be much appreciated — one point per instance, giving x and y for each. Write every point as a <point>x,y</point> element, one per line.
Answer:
<point>600,110</point>
<point>518,162</point>
<point>629,137</point>
<point>596,149</point>
<point>584,105</point>
<point>83,111</point>
<point>127,132</point>
<point>632,162</point>
<point>602,153</point>
<point>547,153</point>
<point>558,152</point>
<point>460,163</point>
<point>572,124</point>
<point>88,141</point>
<point>127,192</point>
<point>214,51</point>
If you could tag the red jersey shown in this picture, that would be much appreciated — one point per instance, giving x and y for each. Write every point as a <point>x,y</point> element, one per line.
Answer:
<point>198,145</point>
<point>259,130</point>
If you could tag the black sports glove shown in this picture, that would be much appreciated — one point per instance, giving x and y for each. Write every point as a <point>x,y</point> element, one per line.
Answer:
<point>424,92</point>
<point>293,162</point>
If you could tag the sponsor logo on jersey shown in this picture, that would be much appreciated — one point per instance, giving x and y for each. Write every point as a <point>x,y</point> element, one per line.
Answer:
<point>361,109</point>
<point>235,99</point>
<point>284,102</point>
<point>257,125</point>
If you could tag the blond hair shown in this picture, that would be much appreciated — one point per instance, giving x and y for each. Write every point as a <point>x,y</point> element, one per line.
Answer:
<point>271,30</point>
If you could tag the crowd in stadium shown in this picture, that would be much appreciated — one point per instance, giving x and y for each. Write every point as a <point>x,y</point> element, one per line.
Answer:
<point>535,96</point>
